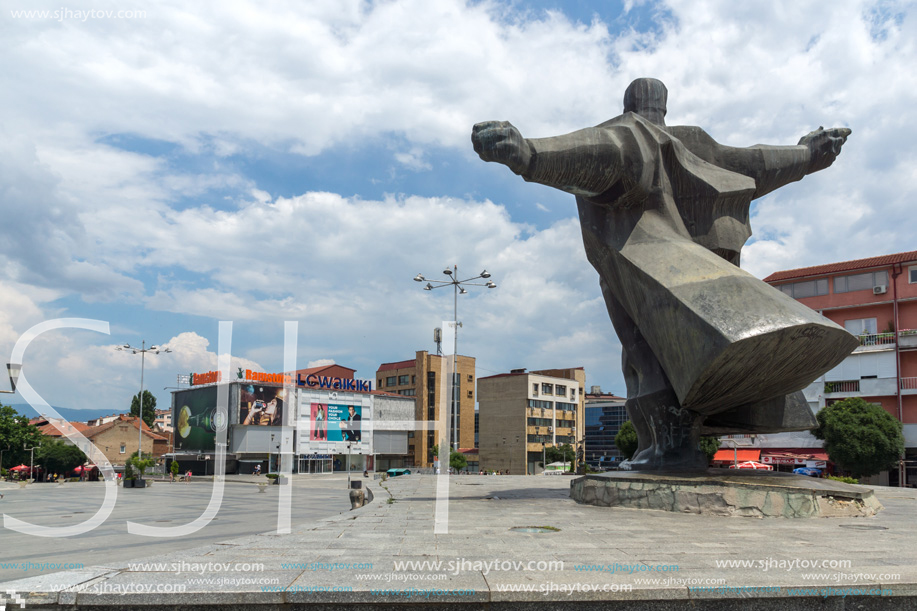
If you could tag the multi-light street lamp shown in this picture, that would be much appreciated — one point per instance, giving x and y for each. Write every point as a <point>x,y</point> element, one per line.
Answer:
<point>458,289</point>
<point>142,350</point>
<point>14,369</point>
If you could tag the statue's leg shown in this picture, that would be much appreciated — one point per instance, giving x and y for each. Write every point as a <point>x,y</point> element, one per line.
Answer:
<point>668,434</point>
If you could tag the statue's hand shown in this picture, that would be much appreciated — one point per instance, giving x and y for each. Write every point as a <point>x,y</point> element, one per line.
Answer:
<point>824,146</point>
<point>500,141</point>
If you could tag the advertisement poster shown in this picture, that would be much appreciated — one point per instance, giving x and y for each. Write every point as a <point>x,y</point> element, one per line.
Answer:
<point>329,427</point>
<point>261,405</point>
<point>318,431</point>
<point>195,418</point>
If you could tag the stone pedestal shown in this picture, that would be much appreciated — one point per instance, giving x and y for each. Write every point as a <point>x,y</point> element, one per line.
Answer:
<point>723,492</point>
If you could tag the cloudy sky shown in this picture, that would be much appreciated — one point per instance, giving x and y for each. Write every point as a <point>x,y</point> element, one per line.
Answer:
<point>188,163</point>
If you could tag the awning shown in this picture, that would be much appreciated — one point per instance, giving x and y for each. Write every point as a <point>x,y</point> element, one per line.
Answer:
<point>729,455</point>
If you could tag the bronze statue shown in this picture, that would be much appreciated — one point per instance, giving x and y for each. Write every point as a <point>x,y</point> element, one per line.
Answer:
<point>664,211</point>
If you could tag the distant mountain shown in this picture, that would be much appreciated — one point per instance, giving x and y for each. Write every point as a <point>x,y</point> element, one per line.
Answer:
<point>73,415</point>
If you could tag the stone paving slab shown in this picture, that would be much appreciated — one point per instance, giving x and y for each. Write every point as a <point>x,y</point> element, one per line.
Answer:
<point>602,557</point>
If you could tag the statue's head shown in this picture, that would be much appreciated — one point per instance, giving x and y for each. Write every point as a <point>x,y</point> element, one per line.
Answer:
<point>647,98</point>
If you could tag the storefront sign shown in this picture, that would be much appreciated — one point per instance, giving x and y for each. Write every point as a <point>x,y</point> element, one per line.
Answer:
<point>334,383</point>
<point>210,377</point>
<point>311,380</point>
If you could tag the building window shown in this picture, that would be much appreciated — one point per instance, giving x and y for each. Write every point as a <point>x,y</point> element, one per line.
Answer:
<point>540,422</point>
<point>912,274</point>
<point>402,380</point>
<point>535,389</point>
<point>861,326</point>
<point>470,394</point>
<point>470,378</point>
<point>860,282</point>
<point>567,407</point>
<point>413,379</point>
<point>810,288</point>
<point>390,381</point>
<point>380,385</point>
<point>541,404</point>
<point>123,449</point>
<point>560,391</point>
<point>547,389</point>
<point>410,434</point>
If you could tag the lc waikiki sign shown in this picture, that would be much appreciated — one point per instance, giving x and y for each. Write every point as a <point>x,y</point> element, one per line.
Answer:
<point>311,380</point>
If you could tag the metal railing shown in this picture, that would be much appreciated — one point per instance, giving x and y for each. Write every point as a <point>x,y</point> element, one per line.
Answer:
<point>845,386</point>
<point>908,383</point>
<point>878,339</point>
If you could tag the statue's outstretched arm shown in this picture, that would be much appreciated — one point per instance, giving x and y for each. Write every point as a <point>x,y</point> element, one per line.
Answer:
<point>770,166</point>
<point>586,162</point>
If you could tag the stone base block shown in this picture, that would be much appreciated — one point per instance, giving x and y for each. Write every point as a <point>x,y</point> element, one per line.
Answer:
<point>756,494</point>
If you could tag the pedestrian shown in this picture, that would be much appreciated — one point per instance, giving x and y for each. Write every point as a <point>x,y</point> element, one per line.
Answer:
<point>188,477</point>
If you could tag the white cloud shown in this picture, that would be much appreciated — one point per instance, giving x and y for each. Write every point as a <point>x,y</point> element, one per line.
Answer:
<point>102,223</point>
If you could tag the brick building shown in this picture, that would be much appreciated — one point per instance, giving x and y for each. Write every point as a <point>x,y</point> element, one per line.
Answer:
<point>424,378</point>
<point>522,414</point>
<point>876,300</point>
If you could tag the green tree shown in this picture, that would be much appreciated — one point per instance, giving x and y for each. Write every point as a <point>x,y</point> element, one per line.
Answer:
<point>57,456</point>
<point>149,407</point>
<point>626,440</point>
<point>709,446</point>
<point>173,468</point>
<point>860,437</point>
<point>457,460</point>
<point>562,453</point>
<point>16,433</point>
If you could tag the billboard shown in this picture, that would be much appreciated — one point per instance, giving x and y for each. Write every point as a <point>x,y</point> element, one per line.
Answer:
<point>261,405</point>
<point>328,425</point>
<point>194,413</point>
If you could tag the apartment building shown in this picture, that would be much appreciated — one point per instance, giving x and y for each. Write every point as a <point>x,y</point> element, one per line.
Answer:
<point>605,414</point>
<point>876,300</point>
<point>522,414</point>
<point>425,377</point>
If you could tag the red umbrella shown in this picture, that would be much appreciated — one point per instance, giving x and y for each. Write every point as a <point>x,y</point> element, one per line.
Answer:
<point>752,465</point>
<point>21,468</point>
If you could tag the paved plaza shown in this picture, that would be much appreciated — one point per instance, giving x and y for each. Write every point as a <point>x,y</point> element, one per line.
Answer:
<point>243,511</point>
<point>583,556</point>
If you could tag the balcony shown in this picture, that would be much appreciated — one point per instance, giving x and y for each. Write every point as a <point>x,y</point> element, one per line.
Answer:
<point>907,339</point>
<point>876,341</point>
<point>865,387</point>
<point>909,386</point>
<point>848,386</point>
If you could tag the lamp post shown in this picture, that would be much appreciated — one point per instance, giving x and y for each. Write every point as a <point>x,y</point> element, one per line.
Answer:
<point>142,350</point>
<point>31,460</point>
<point>735,448</point>
<point>270,453</point>
<point>457,288</point>
<point>14,370</point>
<point>348,466</point>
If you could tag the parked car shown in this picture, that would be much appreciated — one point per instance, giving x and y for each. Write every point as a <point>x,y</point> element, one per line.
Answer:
<point>811,472</point>
<point>397,472</point>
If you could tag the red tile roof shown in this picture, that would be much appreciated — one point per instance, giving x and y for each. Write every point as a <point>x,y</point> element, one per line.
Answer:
<point>89,433</point>
<point>48,430</point>
<point>322,368</point>
<point>398,365</point>
<point>844,266</point>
